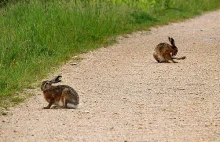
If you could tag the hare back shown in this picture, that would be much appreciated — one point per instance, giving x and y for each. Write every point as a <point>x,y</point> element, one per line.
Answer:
<point>163,48</point>
<point>60,92</point>
<point>59,89</point>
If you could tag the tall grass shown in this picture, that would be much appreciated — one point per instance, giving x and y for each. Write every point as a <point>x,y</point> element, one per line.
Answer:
<point>36,36</point>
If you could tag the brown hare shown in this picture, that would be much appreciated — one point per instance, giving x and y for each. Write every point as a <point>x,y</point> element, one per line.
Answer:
<point>165,53</point>
<point>61,95</point>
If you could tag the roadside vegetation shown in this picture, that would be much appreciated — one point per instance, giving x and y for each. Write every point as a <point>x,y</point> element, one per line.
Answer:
<point>37,36</point>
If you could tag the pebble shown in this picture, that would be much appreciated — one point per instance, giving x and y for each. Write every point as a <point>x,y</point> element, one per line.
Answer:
<point>4,113</point>
<point>73,64</point>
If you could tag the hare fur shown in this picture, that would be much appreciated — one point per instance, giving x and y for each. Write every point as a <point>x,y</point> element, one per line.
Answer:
<point>165,53</point>
<point>62,96</point>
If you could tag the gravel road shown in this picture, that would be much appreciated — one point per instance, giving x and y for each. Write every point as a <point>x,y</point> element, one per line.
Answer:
<point>125,95</point>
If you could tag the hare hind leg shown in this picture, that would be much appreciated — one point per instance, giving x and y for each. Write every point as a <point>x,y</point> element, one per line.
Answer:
<point>169,59</point>
<point>159,58</point>
<point>65,95</point>
<point>69,102</point>
<point>156,57</point>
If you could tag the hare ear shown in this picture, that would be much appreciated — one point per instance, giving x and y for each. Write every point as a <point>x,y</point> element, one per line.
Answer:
<point>171,41</point>
<point>56,79</point>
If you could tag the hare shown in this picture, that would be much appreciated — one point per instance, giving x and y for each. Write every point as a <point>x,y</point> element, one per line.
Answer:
<point>61,95</point>
<point>164,52</point>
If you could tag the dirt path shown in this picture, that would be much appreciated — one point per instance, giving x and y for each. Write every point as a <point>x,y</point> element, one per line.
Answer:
<point>126,96</point>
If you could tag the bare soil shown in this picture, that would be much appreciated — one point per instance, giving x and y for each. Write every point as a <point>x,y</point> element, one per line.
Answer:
<point>125,95</point>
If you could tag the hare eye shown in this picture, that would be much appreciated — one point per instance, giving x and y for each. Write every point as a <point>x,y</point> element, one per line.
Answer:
<point>46,83</point>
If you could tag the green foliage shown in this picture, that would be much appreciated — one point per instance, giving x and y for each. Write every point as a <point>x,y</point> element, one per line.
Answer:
<point>142,17</point>
<point>38,35</point>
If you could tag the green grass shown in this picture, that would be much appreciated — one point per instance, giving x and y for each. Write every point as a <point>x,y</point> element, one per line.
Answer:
<point>37,36</point>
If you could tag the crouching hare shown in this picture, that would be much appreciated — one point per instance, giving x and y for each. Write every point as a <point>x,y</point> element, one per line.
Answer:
<point>61,95</point>
<point>165,53</point>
